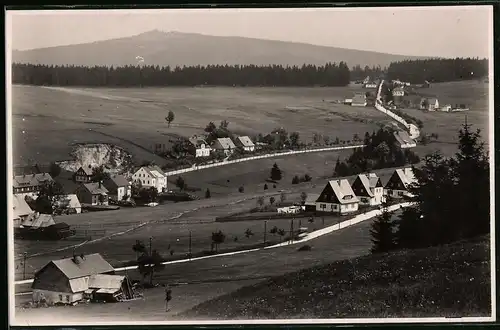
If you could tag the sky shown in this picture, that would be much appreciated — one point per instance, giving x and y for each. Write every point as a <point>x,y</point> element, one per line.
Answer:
<point>464,31</point>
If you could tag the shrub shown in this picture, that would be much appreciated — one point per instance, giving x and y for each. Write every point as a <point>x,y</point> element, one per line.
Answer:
<point>241,189</point>
<point>304,248</point>
<point>295,180</point>
<point>307,178</point>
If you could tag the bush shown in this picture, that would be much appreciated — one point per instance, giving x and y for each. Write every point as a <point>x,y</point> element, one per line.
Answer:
<point>304,248</point>
<point>241,189</point>
<point>307,178</point>
<point>295,180</point>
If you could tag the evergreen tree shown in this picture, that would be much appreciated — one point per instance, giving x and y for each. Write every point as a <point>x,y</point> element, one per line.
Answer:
<point>208,194</point>
<point>382,232</point>
<point>275,173</point>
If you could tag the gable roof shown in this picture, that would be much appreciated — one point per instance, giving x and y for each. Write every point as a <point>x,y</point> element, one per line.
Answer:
<point>311,199</point>
<point>406,176</point>
<point>28,180</point>
<point>226,143</point>
<point>198,141</point>
<point>86,169</point>
<point>119,180</point>
<point>105,281</point>
<point>94,189</point>
<point>154,171</point>
<point>343,191</point>
<point>69,201</point>
<point>21,208</point>
<point>365,181</point>
<point>403,137</point>
<point>39,221</point>
<point>88,265</point>
<point>245,141</point>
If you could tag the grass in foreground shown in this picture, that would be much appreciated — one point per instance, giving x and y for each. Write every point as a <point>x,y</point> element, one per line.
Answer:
<point>451,281</point>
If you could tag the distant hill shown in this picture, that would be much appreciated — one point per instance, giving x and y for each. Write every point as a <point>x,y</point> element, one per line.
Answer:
<point>178,49</point>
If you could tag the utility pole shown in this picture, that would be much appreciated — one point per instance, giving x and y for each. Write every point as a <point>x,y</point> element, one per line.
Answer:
<point>150,245</point>
<point>25,255</point>
<point>291,231</point>
<point>265,231</point>
<point>190,245</point>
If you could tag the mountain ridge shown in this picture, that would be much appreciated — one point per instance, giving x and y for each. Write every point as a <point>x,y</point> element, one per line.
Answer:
<point>176,48</point>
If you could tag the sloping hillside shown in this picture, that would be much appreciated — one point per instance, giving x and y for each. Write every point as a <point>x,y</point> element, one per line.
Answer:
<point>177,49</point>
<point>451,281</point>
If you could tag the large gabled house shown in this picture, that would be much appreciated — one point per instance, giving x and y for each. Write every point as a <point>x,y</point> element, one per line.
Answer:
<point>246,143</point>
<point>225,145</point>
<point>429,104</point>
<point>398,184</point>
<point>70,280</point>
<point>404,140</point>
<point>369,189</point>
<point>92,193</point>
<point>201,146</point>
<point>337,197</point>
<point>118,187</point>
<point>29,184</point>
<point>83,174</point>
<point>151,176</point>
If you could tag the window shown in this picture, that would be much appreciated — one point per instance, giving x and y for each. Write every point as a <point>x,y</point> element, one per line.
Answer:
<point>323,206</point>
<point>148,181</point>
<point>67,298</point>
<point>60,297</point>
<point>400,193</point>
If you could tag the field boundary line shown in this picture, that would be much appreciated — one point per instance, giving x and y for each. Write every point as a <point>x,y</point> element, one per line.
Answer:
<point>312,235</point>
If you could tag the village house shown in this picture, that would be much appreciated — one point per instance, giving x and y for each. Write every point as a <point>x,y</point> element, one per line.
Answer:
<point>93,193</point>
<point>21,210</point>
<point>398,184</point>
<point>369,189</point>
<point>201,146</point>
<point>38,220</point>
<point>224,145</point>
<point>310,202</point>
<point>84,174</point>
<point>398,92</point>
<point>348,101</point>
<point>118,187</point>
<point>359,100</point>
<point>70,280</point>
<point>370,85</point>
<point>429,104</point>
<point>69,204</point>
<point>292,209</point>
<point>337,197</point>
<point>404,140</point>
<point>246,143</point>
<point>151,176</point>
<point>29,184</point>
<point>446,108</point>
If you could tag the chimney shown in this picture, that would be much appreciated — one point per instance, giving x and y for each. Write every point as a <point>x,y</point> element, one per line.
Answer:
<point>100,182</point>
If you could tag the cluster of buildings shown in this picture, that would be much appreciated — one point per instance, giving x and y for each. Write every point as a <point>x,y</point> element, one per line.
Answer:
<point>343,197</point>
<point>223,145</point>
<point>82,277</point>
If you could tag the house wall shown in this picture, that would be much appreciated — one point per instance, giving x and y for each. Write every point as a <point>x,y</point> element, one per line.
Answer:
<point>202,152</point>
<point>349,208</point>
<point>250,149</point>
<point>396,193</point>
<point>50,278</point>
<point>149,181</point>
<point>84,196</point>
<point>52,297</point>
<point>327,207</point>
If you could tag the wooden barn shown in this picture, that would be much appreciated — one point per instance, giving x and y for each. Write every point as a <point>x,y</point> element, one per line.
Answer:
<point>68,281</point>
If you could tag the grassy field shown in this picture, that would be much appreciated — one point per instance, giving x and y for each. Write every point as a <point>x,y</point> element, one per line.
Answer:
<point>198,281</point>
<point>446,281</point>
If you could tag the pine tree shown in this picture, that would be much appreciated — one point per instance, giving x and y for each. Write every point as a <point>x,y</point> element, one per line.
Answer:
<point>275,173</point>
<point>208,194</point>
<point>382,233</point>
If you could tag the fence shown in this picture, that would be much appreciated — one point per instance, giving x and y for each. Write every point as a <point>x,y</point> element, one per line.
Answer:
<point>285,153</point>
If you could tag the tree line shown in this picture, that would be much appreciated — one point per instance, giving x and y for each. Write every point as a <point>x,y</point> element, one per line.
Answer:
<point>438,70</point>
<point>330,74</point>
<point>452,200</point>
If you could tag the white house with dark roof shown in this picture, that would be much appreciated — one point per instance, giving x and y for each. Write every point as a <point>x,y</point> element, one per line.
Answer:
<point>151,176</point>
<point>399,182</point>
<point>92,193</point>
<point>398,91</point>
<point>202,147</point>
<point>225,145</point>
<point>246,143</point>
<point>337,197</point>
<point>369,189</point>
<point>118,187</point>
<point>83,174</point>
<point>404,140</point>
<point>68,281</point>
<point>29,184</point>
<point>429,104</point>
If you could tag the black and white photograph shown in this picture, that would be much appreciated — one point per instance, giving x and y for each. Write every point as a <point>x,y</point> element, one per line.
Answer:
<point>250,166</point>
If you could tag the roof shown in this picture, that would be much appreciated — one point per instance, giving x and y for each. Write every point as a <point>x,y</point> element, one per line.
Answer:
<point>245,141</point>
<point>39,221</point>
<point>104,281</point>
<point>198,141</point>
<point>406,176</point>
<point>366,182</point>
<point>154,171</point>
<point>31,180</point>
<point>69,201</point>
<point>90,265</point>
<point>21,208</point>
<point>403,138</point>
<point>311,199</point>
<point>119,180</point>
<point>359,98</point>
<point>65,179</point>
<point>86,169</point>
<point>342,189</point>
<point>94,188</point>
<point>226,143</point>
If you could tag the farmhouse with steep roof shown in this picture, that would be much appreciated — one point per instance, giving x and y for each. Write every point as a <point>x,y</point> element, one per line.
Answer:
<point>369,189</point>
<point>151,176</point>
<point>337,197</point>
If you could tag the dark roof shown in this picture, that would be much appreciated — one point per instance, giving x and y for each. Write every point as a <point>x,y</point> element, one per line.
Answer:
<point>65,179</point>
<point>119,180</point>
<point>89,265</point>
<point>31,180</point>
<point>94,188</point>
<point>86,169</point>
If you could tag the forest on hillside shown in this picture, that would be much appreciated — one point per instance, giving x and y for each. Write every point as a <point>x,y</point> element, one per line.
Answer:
<point>438,70</point>
<point>330,74</point>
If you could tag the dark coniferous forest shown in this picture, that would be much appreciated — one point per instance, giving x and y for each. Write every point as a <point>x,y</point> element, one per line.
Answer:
<point>438,70</point>
<point>331,74</point>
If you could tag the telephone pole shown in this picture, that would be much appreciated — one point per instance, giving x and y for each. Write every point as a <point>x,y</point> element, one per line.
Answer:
<point>25,255</point>
<point>265,231</point>
<point>150,245</point>
<point>190,245</point>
